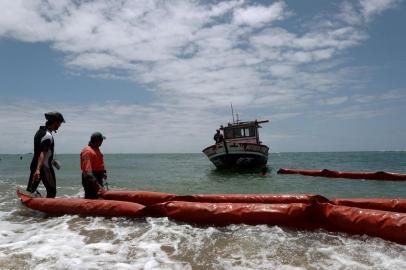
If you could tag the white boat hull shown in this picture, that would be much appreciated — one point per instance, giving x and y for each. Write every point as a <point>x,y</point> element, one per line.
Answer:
<point>237,155</point>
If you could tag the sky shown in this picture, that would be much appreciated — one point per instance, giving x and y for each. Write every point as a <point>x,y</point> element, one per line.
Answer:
<point>159,76</point>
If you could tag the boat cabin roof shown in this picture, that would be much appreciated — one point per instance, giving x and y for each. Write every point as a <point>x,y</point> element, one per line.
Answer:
<point>243,131</point>
<point>245,124</point>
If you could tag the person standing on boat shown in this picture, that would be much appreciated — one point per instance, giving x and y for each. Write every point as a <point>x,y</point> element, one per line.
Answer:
<point>92,166</point>
<point>42,161</point>
<point>218,137</point>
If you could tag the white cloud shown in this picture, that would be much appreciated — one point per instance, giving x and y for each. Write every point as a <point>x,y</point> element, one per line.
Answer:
<point>259,15</point>
<point>97,61</point>
<point>370,8</point>
<point>389,95</point>
<point>193,56</point>
<point>282,70</point>
<point>358,112</point>
<point>349,14</point>
<point>334,101</point>
<point>283,116</point>
<point>357,12</point>
<point>129,128</point>
<point>23,21</point>
<point>398,94</point>
<point>184,50</point>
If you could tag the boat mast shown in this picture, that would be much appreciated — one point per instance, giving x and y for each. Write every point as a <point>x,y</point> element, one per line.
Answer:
<point>232,111</point>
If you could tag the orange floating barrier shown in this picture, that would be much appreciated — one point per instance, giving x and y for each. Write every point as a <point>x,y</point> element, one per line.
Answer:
<point>394,205</point>
<point>148,198</point>
<point>385,218</point>
<point>252,198</point>
<point>384,224</point>
<point>385,176</point>
<point>85,207</point>
<point>141,197</point>
<point>294,214</point>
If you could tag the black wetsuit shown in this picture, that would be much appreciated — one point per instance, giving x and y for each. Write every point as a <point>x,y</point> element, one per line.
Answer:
<point>43,141</point>
<point>218,137</point>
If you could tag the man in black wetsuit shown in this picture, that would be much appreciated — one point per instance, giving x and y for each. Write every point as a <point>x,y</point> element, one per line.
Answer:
<point>42,161</point>
<point>218,137</point>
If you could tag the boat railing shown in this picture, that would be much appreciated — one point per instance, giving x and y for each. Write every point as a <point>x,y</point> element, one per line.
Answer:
<point>242,140</point>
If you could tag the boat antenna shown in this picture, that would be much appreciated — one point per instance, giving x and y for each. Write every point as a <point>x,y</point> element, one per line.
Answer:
<point>232,111</point>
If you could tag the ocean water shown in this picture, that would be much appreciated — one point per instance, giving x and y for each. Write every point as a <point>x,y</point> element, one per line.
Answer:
<point>31,240</point>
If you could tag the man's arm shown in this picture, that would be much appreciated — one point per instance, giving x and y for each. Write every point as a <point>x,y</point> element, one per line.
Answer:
<point>40,163</point>
<point>87,167</point>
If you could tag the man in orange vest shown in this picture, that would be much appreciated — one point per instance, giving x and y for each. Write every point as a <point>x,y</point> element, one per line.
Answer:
<point>92,166</point>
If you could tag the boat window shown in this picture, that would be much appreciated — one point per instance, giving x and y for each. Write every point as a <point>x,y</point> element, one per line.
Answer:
<point>251,132</point>
<point>238,132</point>
<point>228,133</point>
<point>244,132</point>
<point>231,133</point>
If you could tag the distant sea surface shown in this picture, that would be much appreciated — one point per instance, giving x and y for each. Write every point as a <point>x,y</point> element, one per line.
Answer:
<point>31,240</point>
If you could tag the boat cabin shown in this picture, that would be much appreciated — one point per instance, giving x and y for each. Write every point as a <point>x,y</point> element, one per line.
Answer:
<point>243,132</point>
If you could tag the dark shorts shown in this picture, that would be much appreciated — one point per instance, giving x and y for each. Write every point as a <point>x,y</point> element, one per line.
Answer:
<point>90,186</point>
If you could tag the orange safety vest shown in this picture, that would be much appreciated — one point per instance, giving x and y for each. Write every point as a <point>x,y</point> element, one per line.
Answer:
<point>91,160</point>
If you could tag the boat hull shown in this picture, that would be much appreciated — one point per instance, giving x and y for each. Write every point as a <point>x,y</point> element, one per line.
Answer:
<point>237,155</point>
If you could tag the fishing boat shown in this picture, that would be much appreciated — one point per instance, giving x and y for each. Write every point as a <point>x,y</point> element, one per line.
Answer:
<point>240,147</point>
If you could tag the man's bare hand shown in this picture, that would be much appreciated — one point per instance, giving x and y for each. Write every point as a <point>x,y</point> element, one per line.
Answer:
<point>36,176</point>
